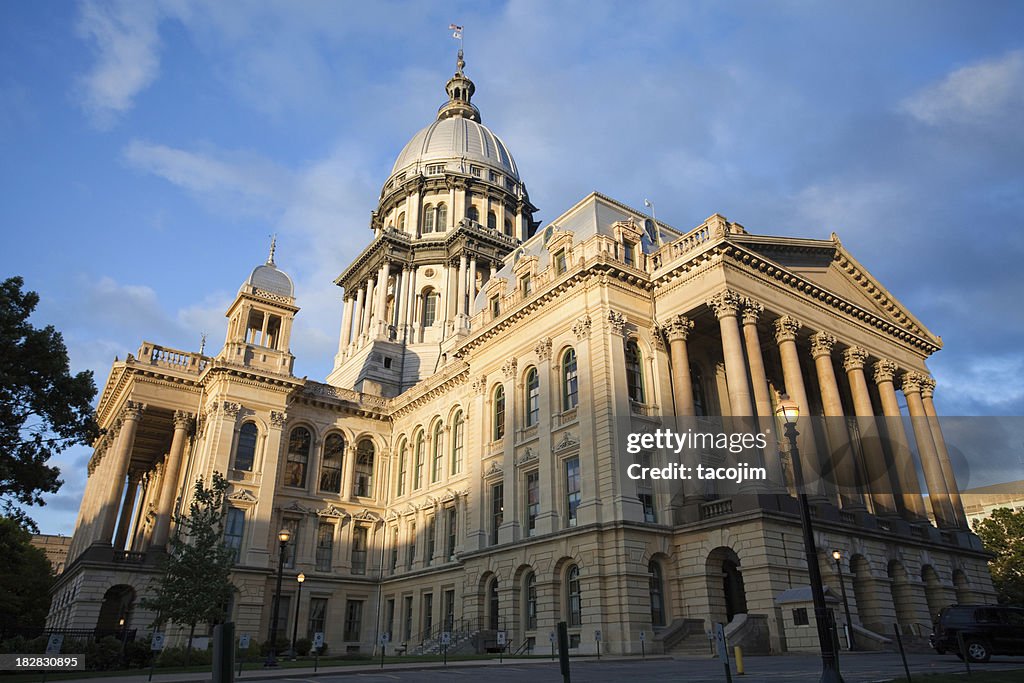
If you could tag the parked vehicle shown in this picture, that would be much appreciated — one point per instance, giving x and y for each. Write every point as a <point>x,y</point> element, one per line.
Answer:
<point>986,630</point>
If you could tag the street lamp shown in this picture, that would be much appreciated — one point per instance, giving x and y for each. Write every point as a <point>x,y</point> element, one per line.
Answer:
<point>788,411</point>
<point>283,536</point>
<point>295,627</point>
<point>837,556</point>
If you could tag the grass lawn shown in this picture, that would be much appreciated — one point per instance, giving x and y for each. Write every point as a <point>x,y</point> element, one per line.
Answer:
<point>1015,676</point>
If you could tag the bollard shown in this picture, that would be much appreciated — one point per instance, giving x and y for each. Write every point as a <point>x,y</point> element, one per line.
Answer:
<point>223,652</point>
<point>563,650</point>
<point>737,652</point>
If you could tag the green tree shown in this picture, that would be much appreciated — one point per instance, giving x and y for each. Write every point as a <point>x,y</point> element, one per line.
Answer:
<point>196,584</point>
<point>43,407</point>
<point>1003,535</point>
<point>25,578</point>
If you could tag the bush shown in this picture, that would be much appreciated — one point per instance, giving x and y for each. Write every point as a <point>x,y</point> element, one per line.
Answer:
<point>283,644</point>
<point>138,653</point>
<point>103,655</point>
<point>302,646</point>
<point>178,656</point>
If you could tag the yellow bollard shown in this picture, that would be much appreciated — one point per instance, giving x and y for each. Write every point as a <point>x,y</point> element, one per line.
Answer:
<point>738,655</point>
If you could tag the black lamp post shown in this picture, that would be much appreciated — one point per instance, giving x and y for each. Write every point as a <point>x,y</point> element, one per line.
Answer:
<point>295,627</point>
<point>283,536</point>
<point>789,411</point>
<point>851,643</point>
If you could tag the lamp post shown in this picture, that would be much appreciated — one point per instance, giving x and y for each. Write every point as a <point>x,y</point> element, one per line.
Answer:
<point>283,536</point>
<point>837,556</point>
<point>295,627</point>
<point>788,411</point>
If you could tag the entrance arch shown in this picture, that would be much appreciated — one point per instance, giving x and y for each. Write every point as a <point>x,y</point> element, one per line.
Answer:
<point>726,594</point>
<point>116,610</point>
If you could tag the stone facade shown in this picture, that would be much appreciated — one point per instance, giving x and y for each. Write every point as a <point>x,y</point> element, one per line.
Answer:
<point>462,468</point>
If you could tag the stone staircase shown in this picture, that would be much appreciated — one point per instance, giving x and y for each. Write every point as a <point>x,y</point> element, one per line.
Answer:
<point>684,638</point>
<point>463,642</point>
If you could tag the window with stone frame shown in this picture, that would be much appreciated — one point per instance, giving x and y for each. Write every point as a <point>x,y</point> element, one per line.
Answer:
<point>634,372</point>
<point>431,539</point>
<point>402,464</point>
<point>410,554</point>
<point>498,425</point>
<point>572,489</point>
<point>570,380</point>
<point>317,617</point>
<point>442,217</point>
<point>458,443</point>
<point>353,620</point>
<point>394,549</point>
<point>245,449</point>
<point>362,484</point>
<point>532,407</point>
<point>657,593</point>
<point>497,510</point>
<point>532,501</point>
<point>428,218</point>
<point>452,524</point>
<point>530,600</point>
<point>417,472</point>
<point>574,596</point>
<point>299,443</point>
<point>324,546</point>
<point>234,530</point>
<point>332,463</point>
<point>360,535</point>
<point>437,453</point>
<point>293,525</point>
<point>645,489</point>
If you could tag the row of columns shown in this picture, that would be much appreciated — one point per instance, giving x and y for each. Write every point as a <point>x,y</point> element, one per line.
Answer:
<point>745,369</point>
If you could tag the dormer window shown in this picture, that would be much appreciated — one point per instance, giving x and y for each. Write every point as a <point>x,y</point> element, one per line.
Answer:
<point>629,253</point>
<point>560,262</point>
<point>525,285</point>
<point>495,306</point>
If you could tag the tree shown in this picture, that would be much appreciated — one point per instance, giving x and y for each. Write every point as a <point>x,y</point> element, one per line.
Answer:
<point>25,578</point>
<point>196,585</point>
<point>1003,535</point>
<point>43,407</point>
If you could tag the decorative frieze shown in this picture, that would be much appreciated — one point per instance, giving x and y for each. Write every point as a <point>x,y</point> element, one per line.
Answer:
<point>566,442</point>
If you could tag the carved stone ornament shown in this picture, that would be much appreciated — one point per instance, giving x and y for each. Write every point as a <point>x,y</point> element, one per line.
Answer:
<point>332,511</point>
<point>617,321</point>
<point>480,384</point>
<point>133,410</point>
<point>543,349</point>
<point>494,469</point>
<point>658,336</point>
<point>786,328</point>
<point>582,327</point>
<point>853,358</point>
<point>567,441</point>
<point>885,371</point>
<point>927,387</point>
<point>278,418</point>
<point>243,496</point>
<point>678,328</point>
<point>231,409</point>
<point>509,368</point>
<point>911,382</point>
<point>365,515</point>
<point>529,456</point>
<point>725,303</point>
<point>822,343</point>
<point>752,310</point>
<point>182,419</point>
<point>297,507</point>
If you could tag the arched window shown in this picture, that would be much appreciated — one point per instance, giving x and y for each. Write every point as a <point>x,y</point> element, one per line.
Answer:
<point>331,465</point>
<point>634,372</point>
<point>429,308</point>
<point>532,397</point>
<point>401,221</point>
<point>436,454</point>
<point>458,437</point>
<point>417,468</point>
<point>245,452</point>
<point>570,383</point>
<point>657,591</point>
<point>492,220</point>
<point>473,214</point>
<point>442,217</point>
<point>508,227</point>
<point>428,218</point>
<point>700,401</point>
<point>499,413</point>
<point>530,600</point>
<point>363,483</point>
<point>573,596</point>
<point>402,465</point>
<point>299,442</point>
<point>492,602</point>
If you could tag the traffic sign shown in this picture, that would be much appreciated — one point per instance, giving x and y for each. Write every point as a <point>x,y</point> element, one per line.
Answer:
<point>318,639</point>
<point>643,636</point>
<point>243,641</point>
<point>501,638</point>
<point>446,638</point>
<point>597,635</point>
<point>54,643</point>
<point>157,643</point>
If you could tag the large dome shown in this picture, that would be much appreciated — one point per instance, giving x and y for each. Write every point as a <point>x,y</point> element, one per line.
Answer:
<point>457,138</point>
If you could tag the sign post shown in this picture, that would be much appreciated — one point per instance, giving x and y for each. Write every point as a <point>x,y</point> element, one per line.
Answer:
<point>597,639</point>
<point>643,646</point>
<point>502,640</point>
<point>243,647</point>
<point>155,645</point>
<point>723,651</point>
<point>318,643</point>
<point>384,638</point>
<point>446,640</point>
<point>551,637</point>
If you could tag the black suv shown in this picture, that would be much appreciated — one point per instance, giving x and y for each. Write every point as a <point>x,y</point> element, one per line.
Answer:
<point>987,630</point>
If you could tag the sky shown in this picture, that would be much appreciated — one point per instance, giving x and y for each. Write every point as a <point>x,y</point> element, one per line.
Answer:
<point>151,148</point>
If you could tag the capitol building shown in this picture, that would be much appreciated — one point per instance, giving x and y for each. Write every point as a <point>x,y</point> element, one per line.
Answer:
<point>463,467</point>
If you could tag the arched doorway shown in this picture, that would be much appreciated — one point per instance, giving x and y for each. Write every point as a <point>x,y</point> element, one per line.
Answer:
<point>901,598</point>
<point>963,591</point>
<point>726,594</point>
<point>866,610</point>
<point>933,592</point>
<point>116,610</point>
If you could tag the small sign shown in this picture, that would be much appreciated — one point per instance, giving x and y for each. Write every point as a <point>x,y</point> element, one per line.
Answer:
<point>446,638</point>
<point>501,638</point>
<point>385,638</point>
<point>723,651</point>
<point>54,643</point>
<point>597,635</point>
<point>643,636</point>
<point>551,637</point>
<point>318,639</point>
<point>243,641</point>
<point>157,643</point>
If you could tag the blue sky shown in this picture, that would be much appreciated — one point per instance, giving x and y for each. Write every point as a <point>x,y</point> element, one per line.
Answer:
<point>150,149</point>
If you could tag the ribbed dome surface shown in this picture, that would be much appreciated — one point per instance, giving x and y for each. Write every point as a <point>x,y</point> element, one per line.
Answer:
<point>454,139</point>
<point>268,278</point>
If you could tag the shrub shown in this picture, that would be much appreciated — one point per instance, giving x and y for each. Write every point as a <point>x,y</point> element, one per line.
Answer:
<point>302,646</point>
<point>103,655</point>
<point>283,644</point>
<point>138,653</point>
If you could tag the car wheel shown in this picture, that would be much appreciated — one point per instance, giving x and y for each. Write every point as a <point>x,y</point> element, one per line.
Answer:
<point>977,651</point>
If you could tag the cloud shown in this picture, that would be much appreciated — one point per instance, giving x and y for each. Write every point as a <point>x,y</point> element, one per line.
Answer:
<point>979,94</point>
<point>126,41</point>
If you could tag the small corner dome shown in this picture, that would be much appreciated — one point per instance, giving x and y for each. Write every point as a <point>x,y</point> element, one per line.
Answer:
<point>269,278</point>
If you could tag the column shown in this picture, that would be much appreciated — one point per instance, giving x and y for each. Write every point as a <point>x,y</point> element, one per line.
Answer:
<point>169,481</point>
<point>119,470</point>
<point>368,308</point>
<point>927,395</point>
<point>938,494</point>
<point>346,324</point>
<point>786,329</point>
<point>881,491</point>
<point>471,285</point>
<point>403,304</point>
<point>550,394</point>
<point>127,507</point>
<point>752,310</point>
<point>461,289</point>
<point>726,306</point>
<point>380,328</point>
<point>358,312</point>
<point>510,529</point>
<point>903,459</point>
<point>348,468</point>
<point>677,331</point>
<point>841,457</point>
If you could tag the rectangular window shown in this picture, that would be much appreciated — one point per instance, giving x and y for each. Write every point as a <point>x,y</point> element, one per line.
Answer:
<point>495,306</point>
<point>410,555</point>
<point>324,546</point>
<point>497,510</point>
<point>560,262</point>
<point>458,437</point>
<point>292,525</point>
<point>389,618</point>
<point>476,170</point>
<point>452,533</point>
<point>493,177</point>
<point>401,473</point>
<point>428,614</point>
<point>359,550</point>
<point>407,618</point>
<point>431,539</point>
<point>532,501</point>
<point>394,549</point>
<point>525,285</point>
<point>628,253</point>
<point>800,617</point>
<point>317,616</point>
<point>572,489</point>
<point>234,527</point>
<point>644,491</point>
<point>449,610</point>
<point>429,310</point>
<point>353,619</point>
<point>437,457</point>
<point>435,169</point>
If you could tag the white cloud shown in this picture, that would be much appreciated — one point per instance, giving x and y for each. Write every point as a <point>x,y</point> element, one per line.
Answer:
<point>127,44</point>
<point>978,94</point>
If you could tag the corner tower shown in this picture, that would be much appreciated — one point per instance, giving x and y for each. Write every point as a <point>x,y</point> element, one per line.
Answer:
<point>453,207</point>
